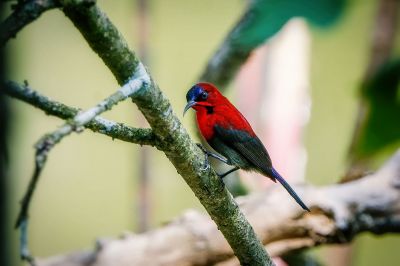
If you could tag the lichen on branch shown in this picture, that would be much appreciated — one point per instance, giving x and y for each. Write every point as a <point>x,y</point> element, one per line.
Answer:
<point>115,130</point>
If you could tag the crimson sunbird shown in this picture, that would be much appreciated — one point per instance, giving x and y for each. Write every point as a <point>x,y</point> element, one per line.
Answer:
<point>227,131</point>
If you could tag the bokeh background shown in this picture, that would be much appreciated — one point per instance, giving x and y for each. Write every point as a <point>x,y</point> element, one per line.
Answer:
<point>89,188</point>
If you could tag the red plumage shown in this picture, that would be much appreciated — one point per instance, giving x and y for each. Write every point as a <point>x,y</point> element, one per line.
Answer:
<point>224,113</point>
<point>230,134</point>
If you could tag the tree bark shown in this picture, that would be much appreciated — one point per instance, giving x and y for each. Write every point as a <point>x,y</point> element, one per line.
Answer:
<point>339,213</point>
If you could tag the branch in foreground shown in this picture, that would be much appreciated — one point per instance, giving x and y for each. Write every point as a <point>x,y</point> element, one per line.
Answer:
<point>340,212</point>
<point>177,145</point>
<point>141,136</point>
<point>24,13</point>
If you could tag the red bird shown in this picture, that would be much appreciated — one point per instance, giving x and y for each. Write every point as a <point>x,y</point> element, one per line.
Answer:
<point>228,132</point>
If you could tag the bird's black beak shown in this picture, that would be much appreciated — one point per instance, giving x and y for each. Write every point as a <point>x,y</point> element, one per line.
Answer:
<point>189,105</point>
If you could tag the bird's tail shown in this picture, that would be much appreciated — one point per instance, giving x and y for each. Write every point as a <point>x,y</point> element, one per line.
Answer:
<point>289,189</point>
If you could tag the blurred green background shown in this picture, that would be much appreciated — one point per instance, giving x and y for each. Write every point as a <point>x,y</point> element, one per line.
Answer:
<point>88,188</point>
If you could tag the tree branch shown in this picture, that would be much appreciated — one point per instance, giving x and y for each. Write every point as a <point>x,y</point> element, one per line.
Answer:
<point>228,58</point>
<point>383,36</point>
<point>262,20</point>
<point>102,36</point>
<point>107,42</point>
<point>23,14</point>
<point>340,212</point>
<point>47,142</point>
<point>179,149</point>
<point>139,78</point>
<point>141,136</point>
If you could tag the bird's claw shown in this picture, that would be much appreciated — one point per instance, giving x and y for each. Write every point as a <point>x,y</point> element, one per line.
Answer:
<point>206,167</point>
<point>207,163</point>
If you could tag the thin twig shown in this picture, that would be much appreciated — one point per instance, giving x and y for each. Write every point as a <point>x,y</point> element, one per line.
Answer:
<point>141,136</point>
<point>22,220</point>
<point>47,142</point>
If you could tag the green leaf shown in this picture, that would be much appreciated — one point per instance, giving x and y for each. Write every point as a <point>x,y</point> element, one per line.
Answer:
<point>264,18</point>
<point>381,125</point>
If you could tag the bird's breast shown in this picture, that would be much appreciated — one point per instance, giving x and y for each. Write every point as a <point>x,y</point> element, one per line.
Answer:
<point>206,122</point>
<point>225,116</point>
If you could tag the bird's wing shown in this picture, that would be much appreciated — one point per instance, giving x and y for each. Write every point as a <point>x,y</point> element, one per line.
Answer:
<point>248,146</point>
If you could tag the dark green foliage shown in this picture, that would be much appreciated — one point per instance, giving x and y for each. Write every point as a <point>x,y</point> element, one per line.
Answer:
<point>261,21</point>
<point>381,124</point>
<point>266,17</point>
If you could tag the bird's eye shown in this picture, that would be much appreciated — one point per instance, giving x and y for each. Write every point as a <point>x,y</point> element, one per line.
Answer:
<point>204,95</point>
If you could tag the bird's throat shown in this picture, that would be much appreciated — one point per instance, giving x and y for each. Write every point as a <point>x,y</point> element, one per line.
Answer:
<point>210,109</point>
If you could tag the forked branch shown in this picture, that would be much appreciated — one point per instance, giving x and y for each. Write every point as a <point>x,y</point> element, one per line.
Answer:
<point>115,130</point>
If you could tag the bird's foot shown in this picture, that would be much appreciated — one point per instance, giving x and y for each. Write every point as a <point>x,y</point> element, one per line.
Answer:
<point>206,154</point>
<point>214,155</point>
<point>207,165</point>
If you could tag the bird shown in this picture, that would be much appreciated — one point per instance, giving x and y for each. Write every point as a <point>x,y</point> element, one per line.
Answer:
<point>228,132</point>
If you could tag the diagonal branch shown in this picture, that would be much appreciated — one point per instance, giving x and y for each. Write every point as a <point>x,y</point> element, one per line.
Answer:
<point>177,145</point>
<point>142,136</point>
<point>340,213</point>
<point>261,21</point>
<point>108,43</point>
<point>226,61</point>
<point>24,13</point>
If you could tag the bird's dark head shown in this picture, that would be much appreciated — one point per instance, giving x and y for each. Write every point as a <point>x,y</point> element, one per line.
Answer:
<point>202,95</point>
